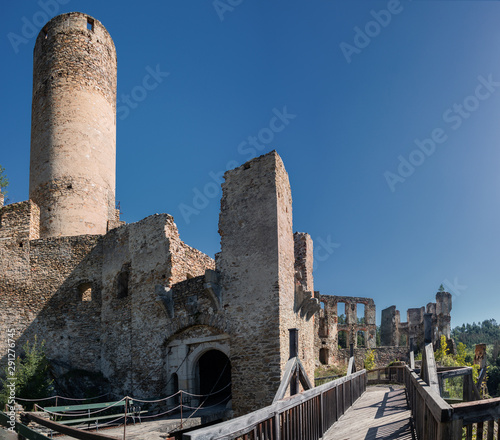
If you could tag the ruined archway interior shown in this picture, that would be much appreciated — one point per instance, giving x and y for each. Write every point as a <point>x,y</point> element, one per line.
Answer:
<point>214,372</point>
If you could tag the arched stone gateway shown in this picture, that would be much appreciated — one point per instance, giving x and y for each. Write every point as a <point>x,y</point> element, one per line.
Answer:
<point>196,360</point>
<point>213,374</point>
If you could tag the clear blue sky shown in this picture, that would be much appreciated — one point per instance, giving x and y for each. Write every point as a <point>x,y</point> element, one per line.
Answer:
<point>395,222</point>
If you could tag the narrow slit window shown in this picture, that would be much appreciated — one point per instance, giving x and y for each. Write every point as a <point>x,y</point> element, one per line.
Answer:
<point>122,282</point>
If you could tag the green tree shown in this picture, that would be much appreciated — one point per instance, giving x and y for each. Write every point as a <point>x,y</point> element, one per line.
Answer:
<point>4,182</point>
<point>441,288</point>
<point>30,372</point>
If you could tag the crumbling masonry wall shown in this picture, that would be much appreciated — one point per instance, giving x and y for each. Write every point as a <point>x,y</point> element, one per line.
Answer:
<point>327,345</point>
<point>397,333</point>
<point>257,268</point>
<point>65,290</point>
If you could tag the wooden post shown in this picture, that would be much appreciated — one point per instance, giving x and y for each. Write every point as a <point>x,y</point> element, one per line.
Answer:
<point>294,351</point>
<point>181,407</point>
<point>125,424</point>
<point>277,430</point>
<point>451,430</point>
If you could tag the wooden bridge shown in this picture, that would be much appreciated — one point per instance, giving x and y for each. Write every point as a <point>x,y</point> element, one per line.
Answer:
<point>349,408</point>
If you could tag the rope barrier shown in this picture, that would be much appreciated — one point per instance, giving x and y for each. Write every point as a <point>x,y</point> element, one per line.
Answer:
<point>207,395</point>
<point>154,401</point>
<point>60,397</point>
<point>162,414</point>
<point>210,406</point>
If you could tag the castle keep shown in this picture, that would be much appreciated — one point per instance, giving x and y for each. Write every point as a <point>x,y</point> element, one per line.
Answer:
<point>133,301</point>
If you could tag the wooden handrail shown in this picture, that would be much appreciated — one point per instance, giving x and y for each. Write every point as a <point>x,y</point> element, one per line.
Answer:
<point>306,416</point>
<point>434,419</point>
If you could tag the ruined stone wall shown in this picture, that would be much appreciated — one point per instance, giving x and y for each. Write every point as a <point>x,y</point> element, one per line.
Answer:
<point>42,287</point>
<point>97,303</point>
<point>256,263</point>
<point>383,356</point>
<point>443,311</point>
<point>19,222</point>
<point>149,257</point>
<point>249,267</point>
<point>327,344</point>
<point>394,332</point>
<point>389,327</point>
<point>304,260</point>
<point>306,306</point>
<point>73,132</point>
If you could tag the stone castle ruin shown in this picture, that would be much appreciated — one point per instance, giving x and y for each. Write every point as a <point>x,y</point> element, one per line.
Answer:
<point>133,301</point>
<point>337,331</point>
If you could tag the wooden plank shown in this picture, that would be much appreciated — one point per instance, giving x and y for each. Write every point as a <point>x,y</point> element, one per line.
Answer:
<point>351,368</point>
<point>491,429</point>
<point>430,370</point>
<point>450,431</point>
<point>290,368</point>
<point>85,407</point>
<point>21,429</point>
<point>456,372</point>
<point>29,433</point>
<point>304,379</point>
<point>479,432</point>
<point>72,432</point>
<point>440,410</point>
<point>477,411</point>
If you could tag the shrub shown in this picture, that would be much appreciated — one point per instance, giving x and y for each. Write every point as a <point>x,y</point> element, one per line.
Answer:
<point>370,360</point>
<point>31,374</point>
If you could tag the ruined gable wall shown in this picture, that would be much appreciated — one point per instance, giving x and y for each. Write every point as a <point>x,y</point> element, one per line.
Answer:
<point>137,325</point>
<point>303,254</point>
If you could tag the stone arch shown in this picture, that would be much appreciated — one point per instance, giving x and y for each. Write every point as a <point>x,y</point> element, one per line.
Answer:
<point>182,352</point>
<point>181,324</point>
<point>213,375</point>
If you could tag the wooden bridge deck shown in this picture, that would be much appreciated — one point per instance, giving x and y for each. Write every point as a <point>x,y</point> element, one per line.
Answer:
<point>380,413</point>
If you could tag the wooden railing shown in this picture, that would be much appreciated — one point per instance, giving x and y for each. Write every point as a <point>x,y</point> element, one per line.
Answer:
<point>305,416</point>
<point>21,429</point>
<point>392,374</point>
<point>434,419</point>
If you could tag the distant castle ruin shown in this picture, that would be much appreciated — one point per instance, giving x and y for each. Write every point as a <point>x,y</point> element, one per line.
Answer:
<point>133,301</point>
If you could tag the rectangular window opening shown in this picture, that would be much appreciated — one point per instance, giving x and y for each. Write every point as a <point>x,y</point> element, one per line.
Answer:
<point>90,24</point>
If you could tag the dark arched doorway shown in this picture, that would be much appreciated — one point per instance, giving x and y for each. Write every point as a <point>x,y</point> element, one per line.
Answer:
<point>214,373</point>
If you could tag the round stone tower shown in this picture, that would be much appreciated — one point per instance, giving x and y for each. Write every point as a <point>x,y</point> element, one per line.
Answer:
<point>73,126</point>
